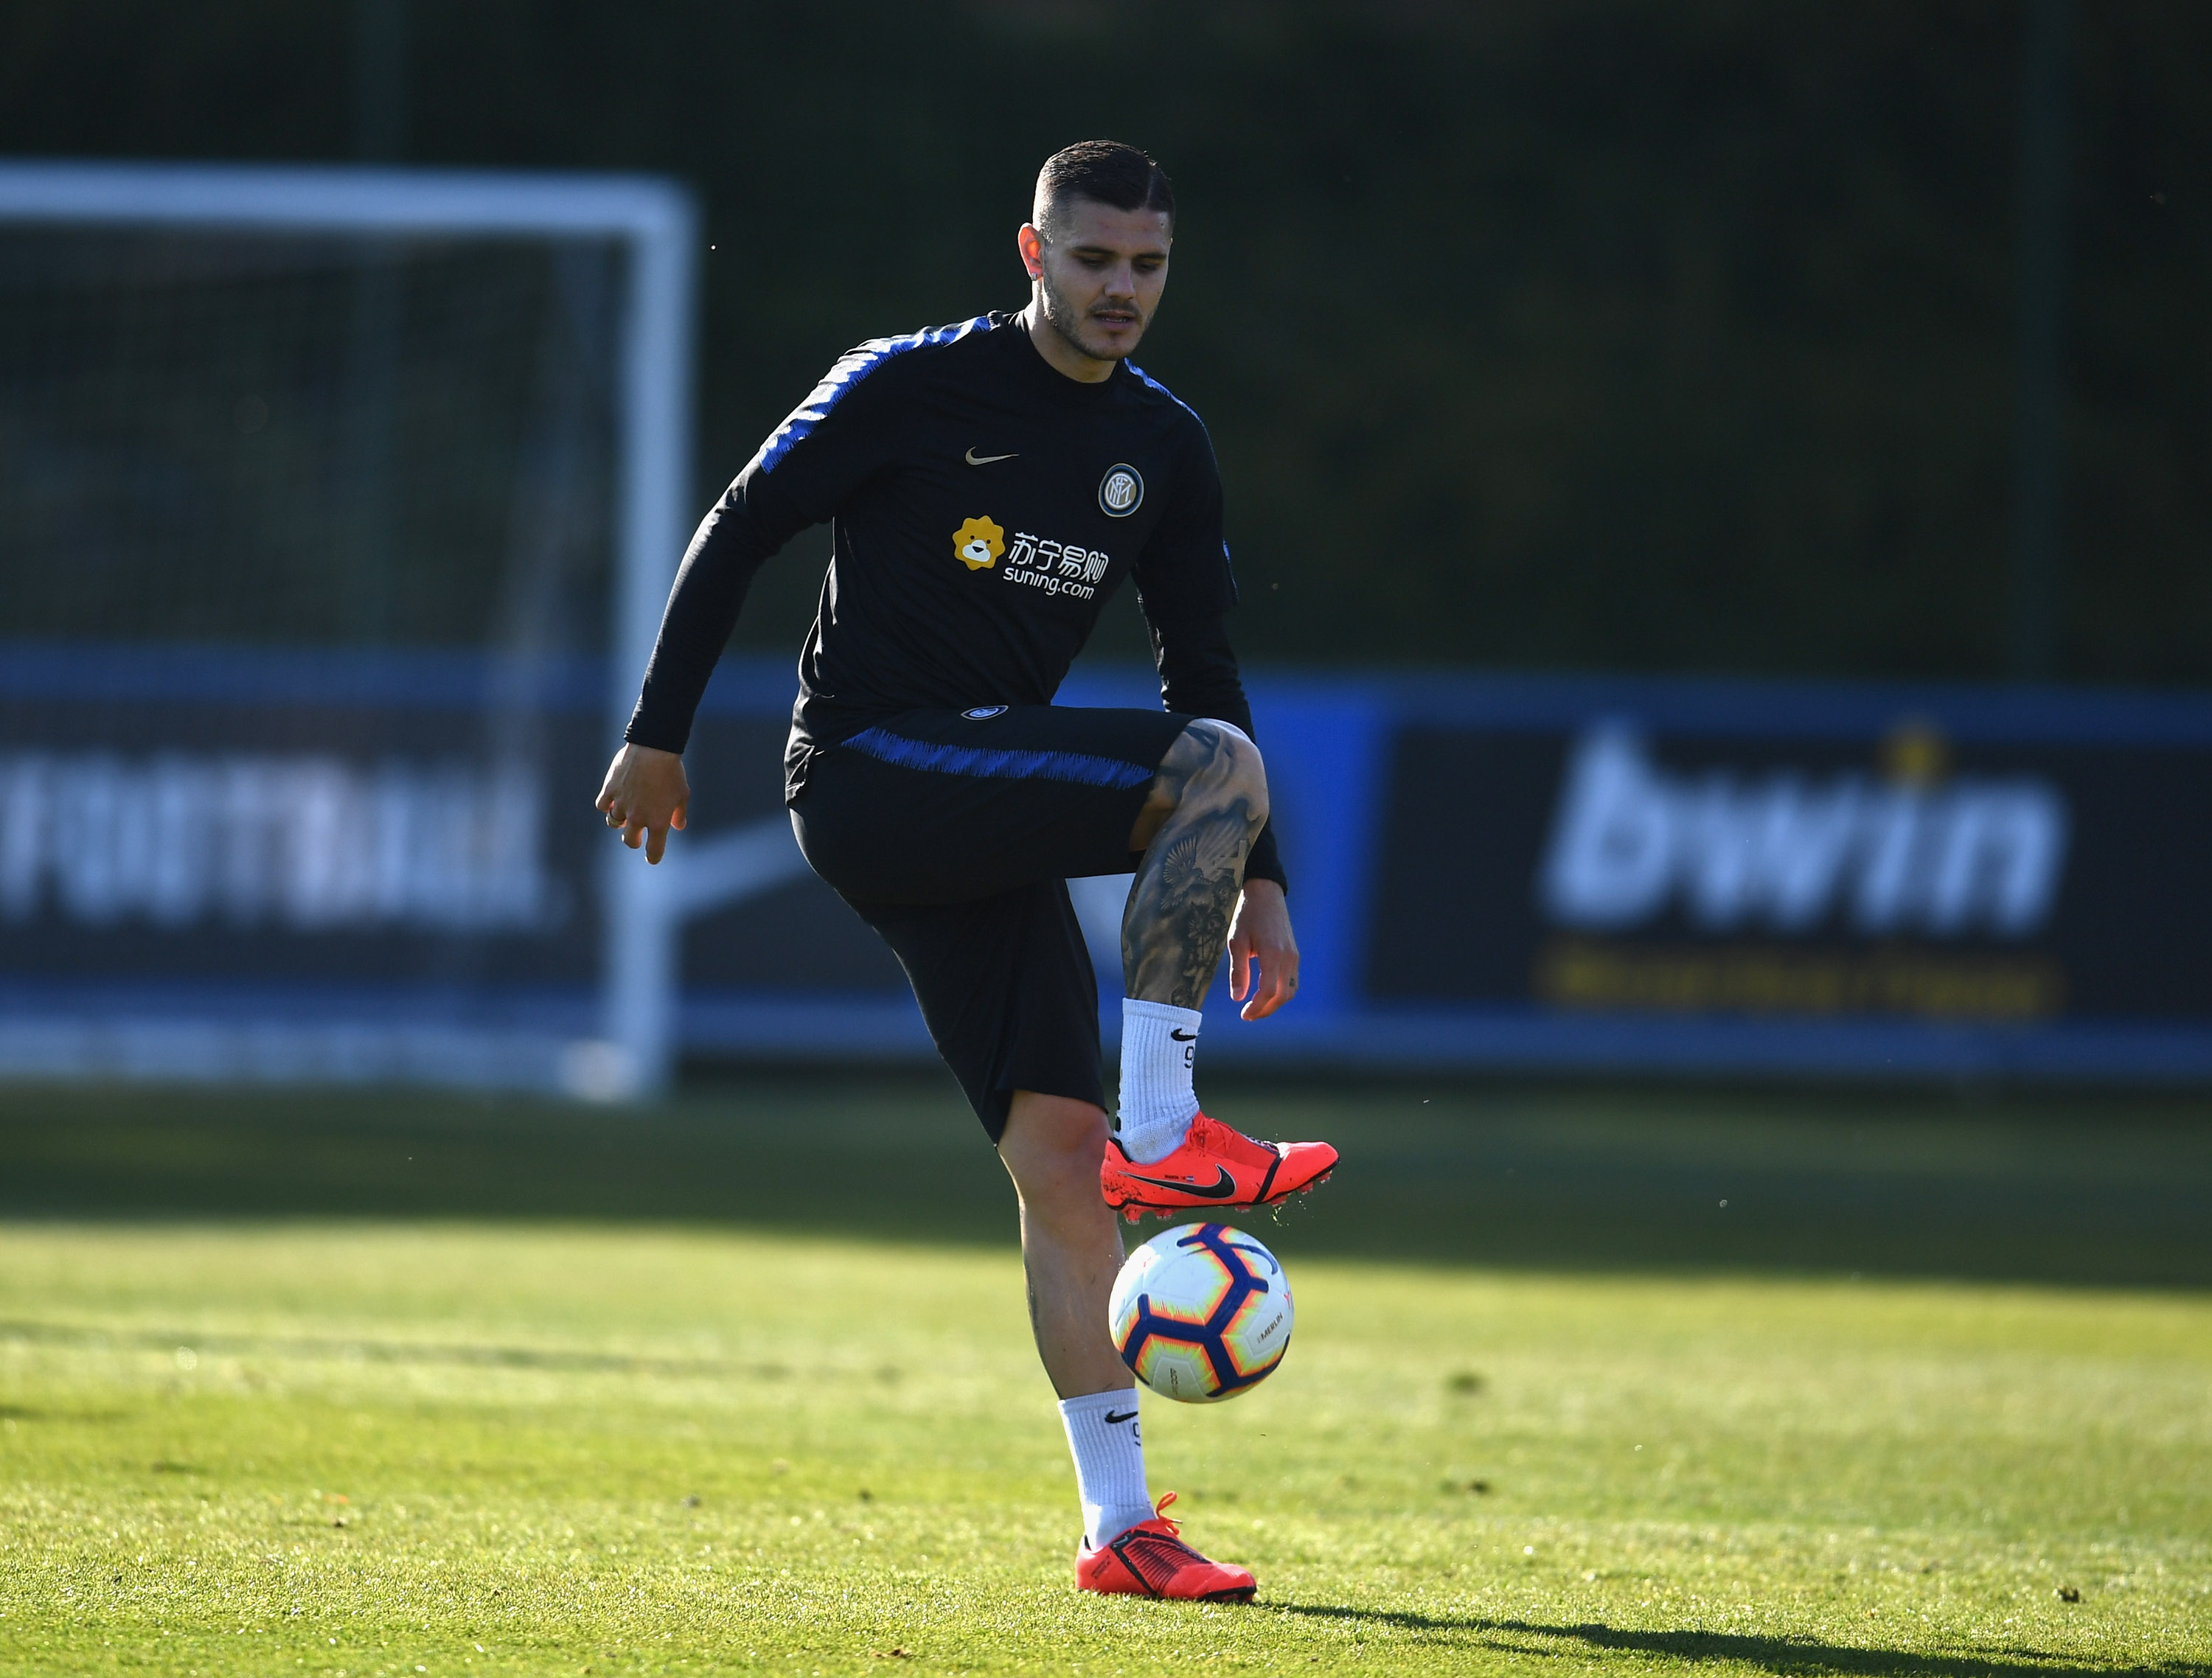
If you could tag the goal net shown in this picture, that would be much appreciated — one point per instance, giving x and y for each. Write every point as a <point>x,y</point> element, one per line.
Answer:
<point>337,507</point>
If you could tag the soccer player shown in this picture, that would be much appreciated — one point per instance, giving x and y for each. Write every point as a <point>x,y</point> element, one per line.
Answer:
<point>989,485</point>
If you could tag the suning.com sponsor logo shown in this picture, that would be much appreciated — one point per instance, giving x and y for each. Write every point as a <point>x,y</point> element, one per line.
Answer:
<point>1057,568</point>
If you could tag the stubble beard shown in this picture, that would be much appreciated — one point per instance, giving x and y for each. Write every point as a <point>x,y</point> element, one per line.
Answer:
<point>1064,319</point>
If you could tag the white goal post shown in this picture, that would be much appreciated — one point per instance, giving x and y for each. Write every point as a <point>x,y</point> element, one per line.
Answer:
<point>630,1049</point>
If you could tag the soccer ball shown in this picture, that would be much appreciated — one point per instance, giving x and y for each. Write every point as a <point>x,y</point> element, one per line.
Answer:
<point>1202,1313</point>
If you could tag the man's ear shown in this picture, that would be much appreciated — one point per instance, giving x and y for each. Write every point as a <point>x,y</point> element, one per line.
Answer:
<point>1030,243</point>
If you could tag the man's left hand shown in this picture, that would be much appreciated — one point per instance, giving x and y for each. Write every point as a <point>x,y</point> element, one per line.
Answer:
<point>1263,955</point>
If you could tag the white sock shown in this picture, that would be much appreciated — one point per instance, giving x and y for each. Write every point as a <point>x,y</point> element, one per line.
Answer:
<point>1109,1462</point>
<point>1159,1042</point>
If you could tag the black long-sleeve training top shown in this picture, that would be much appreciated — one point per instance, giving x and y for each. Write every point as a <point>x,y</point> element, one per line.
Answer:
<point>982,508</point>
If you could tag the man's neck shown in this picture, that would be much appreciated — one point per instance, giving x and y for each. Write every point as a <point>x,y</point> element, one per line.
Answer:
<point>1059,354</point>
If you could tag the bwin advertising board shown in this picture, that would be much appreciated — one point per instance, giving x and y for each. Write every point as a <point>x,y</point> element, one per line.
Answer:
<point>1767,877</point>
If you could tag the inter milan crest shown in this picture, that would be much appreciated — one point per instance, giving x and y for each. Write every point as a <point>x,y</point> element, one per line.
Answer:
<point>1120,492</point>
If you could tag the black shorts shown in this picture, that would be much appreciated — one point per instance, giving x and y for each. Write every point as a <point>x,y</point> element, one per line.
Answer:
<point>953,834</point>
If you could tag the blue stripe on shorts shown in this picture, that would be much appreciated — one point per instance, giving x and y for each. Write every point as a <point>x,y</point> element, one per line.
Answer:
<point>1079,767</point>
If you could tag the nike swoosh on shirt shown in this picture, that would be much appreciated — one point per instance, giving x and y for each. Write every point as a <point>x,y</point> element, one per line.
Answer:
<point>976,459</point>
<point>1120,1415</point>
<point>1223,1187</point>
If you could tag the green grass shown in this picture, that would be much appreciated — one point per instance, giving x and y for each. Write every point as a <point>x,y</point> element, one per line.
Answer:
<point>2077,1192</point>
<point>368,1386</point>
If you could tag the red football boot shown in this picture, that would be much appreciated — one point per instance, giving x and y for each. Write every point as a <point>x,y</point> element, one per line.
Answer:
<point>1215,1168</point>
<point>1150,1560</point>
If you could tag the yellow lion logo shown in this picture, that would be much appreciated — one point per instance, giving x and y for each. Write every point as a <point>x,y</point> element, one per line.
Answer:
<point>978,543</point>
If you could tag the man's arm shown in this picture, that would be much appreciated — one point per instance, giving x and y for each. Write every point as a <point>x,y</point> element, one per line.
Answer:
<point>1186,587</point>
<point>646,793</point>
<point>727,551</point>
<point>828,446</point>
<point>1198,674</point>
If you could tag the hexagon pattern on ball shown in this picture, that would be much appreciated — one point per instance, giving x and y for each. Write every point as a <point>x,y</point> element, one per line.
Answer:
<point>1201,1312</point>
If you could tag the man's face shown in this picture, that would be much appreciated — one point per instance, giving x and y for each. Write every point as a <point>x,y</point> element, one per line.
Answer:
<point>1101,272</point>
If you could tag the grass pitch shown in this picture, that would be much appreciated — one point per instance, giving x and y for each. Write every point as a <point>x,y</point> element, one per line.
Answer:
<point>516,1439</point>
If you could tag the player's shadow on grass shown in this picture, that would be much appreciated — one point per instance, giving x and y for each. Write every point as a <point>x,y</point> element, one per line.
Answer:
<point>1781,1655</point>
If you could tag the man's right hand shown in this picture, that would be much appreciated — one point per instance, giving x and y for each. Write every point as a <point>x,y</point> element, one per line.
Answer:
<point>644,795</point>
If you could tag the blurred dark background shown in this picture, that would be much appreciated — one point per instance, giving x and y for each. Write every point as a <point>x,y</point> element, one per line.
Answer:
<point>1857,339</point>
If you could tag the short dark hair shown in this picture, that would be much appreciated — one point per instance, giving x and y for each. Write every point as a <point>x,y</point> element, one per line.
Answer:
<point>1105,172</point>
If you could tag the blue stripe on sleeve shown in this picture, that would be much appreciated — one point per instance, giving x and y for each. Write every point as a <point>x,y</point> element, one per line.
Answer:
<point>838,382</point>
<point>1005,764</point>
<point>1155,384</point>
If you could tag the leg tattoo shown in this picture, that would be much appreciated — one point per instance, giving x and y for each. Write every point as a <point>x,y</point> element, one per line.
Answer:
<point>1177,920</point>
